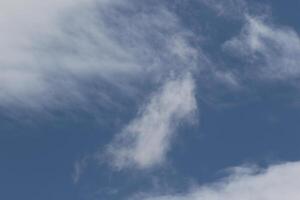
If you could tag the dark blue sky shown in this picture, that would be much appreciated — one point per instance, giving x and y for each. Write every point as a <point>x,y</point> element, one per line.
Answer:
<point>145,99</point>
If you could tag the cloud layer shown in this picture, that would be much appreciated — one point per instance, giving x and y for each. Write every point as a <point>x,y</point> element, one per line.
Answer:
<point>146,140</point>
<point>53,51</point>
<point>56,53</point>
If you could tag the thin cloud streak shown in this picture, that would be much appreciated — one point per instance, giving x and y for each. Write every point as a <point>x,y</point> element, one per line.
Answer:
<point>79,168</point>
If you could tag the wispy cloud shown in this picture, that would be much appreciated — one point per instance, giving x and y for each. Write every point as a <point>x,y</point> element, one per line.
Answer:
<point>270,50</point>
<point>237,9</point>
<point>146,140</point>
<point>227,8</point>
<point>278,182</point>
<point>52,50</point>
<point>79,168</point>
<point>55,54</point>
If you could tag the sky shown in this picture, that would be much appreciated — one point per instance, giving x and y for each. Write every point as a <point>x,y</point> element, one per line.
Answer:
<point>149,100</point>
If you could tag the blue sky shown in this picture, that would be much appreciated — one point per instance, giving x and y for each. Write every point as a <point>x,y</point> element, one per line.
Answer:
<point>149,100</point>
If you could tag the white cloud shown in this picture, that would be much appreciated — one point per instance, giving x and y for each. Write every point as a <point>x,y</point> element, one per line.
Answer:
<point>146,140</point>
<point>53,52</point>
<point>278,182</point>
<point>274,49</point>
<point>48,48</point>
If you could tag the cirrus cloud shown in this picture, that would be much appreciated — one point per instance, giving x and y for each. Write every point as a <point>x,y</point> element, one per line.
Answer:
<point>52,51</point>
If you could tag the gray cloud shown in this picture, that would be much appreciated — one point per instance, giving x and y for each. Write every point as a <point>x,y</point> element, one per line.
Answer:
<point>79,168</point>
<point>228,8</point>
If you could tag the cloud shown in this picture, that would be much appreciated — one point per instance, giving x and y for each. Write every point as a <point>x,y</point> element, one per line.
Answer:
<point>227,8</point>
<point>278,182</point>
<point>236,10</point>
<point>145,141</point>
<point>64,54</point>
<point>79,167</point>
<point>53,52</point>
<point>271,51</point>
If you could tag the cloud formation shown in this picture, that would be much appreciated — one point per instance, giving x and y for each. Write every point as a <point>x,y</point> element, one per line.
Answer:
<point>51,51</point>
<point>145,141</point>
<point>227,8</point>
<point>65,54</point>
<point>272,51</point>
<point>278,182</point>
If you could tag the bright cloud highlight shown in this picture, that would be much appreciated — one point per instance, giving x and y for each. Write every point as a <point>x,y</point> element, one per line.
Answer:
<point>146,140</point>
